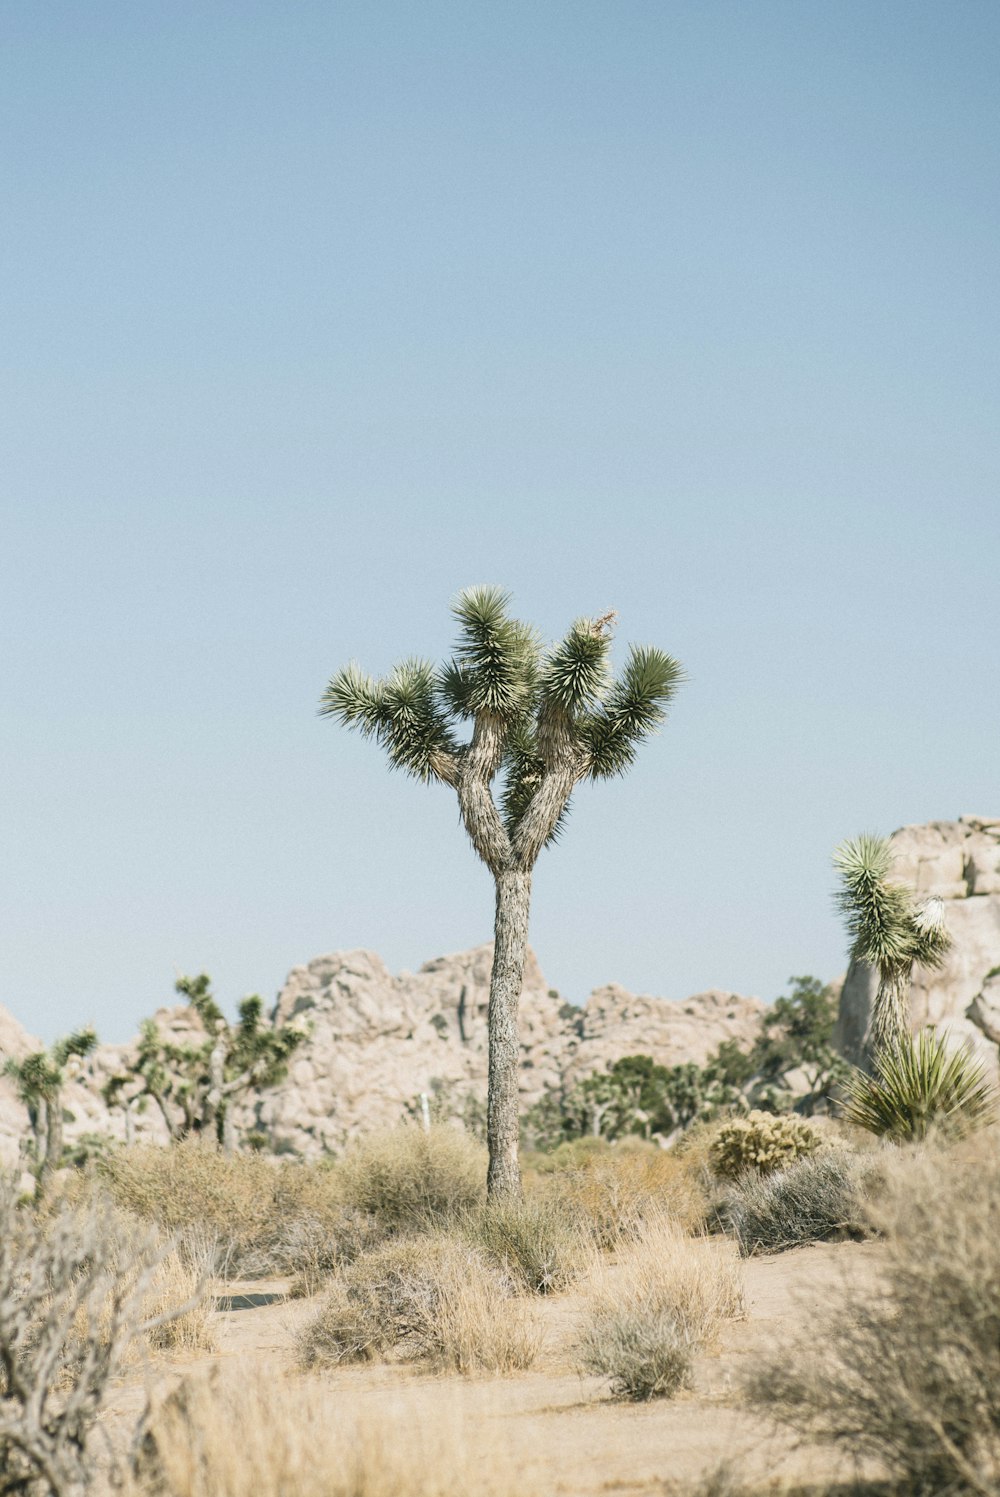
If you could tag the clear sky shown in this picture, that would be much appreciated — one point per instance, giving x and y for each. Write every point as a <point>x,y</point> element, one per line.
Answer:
<point>313,313</point>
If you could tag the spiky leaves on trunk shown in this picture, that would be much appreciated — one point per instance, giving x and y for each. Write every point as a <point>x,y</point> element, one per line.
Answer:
<point>889,930</point>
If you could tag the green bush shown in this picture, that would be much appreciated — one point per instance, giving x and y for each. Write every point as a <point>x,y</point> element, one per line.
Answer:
<point>761,1141</point>
<point>918,1087</point>
<point>810,1200</point>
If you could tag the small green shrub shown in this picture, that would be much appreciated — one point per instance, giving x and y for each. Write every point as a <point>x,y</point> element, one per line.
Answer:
<point>810,1200</point>
<point>761,1141</point>
<point>431,1298</point>
<point>542,1244</point>
<point>918,1087</point>
<point>408,1179</point>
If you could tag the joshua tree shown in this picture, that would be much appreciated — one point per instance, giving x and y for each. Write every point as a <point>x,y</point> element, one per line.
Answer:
<point>542,719</point>
<point>890,931</point>
<point>194,1085</point>
<point>40,1078</point>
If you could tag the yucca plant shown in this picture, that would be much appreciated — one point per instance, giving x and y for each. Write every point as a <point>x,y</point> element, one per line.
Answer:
<point>541,720</point>
<point>890,931</point>
<point>40,1078</point>
<point>920,1086</point>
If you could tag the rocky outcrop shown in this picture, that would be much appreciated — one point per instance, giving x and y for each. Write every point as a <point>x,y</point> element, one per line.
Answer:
<point>376,1041</point>
<point>957,862</point>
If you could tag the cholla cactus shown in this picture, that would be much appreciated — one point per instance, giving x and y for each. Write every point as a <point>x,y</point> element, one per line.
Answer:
<point>542,721</point>
<point>890,931</point>
<point>761,1141</point>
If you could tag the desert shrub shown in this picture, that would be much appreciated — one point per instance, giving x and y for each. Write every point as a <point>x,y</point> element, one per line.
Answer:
<point>810,1200</point>
<point>252,1433</point>
<point>408,1179</point>
<point>77,1290</point>
<point>263,1217</point>
<point>617,1191</point>
<point>664,1300</point>
<point>539,1243</point>
<point>906,1372</point>
<point>431,1298</point>
<point>920,1086</point>
<point>762,1141</point>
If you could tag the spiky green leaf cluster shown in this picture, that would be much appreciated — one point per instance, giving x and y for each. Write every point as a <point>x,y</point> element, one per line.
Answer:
<point>633,709</point>
<point>402,713</point>
<point>495,669</point>
<point>920,1087</point>
<point>576,672</point>
<point>563,708</point>
<point>886,927</point>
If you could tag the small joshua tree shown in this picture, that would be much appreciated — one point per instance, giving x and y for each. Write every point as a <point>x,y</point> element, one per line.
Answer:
<point>544,721</point>
<point>194,1085</point>
<point>40,1078</point>
<point>890,931</point>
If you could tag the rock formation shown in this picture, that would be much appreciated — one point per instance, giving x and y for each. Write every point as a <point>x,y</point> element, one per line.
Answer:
<point>377,1041</point>
<point>959,863</point>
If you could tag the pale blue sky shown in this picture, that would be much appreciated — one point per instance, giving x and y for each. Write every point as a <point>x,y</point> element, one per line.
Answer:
<point>312,314</point>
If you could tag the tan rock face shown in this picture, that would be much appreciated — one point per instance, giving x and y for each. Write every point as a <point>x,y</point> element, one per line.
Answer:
<point>378,1040</point>
<point>959,863</point>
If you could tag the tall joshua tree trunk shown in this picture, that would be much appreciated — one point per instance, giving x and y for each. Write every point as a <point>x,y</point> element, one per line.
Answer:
<point>510,947</point>
<point>544,721</point>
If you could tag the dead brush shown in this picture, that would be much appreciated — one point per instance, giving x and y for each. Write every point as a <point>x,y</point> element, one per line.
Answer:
<point>649,1313</point>
<point>618,1192</point>
<point>77,1292</point>
<point>408,1179</point>
<point>433,1299</point>
<point>259,1434</point>
<point>261,1217</point>
<point>541,1243</point>
<point>907,1373</point>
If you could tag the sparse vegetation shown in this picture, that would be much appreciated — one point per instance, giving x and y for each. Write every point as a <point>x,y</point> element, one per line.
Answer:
<point>761,1141</point>
<point>907,1373</point>
<point>407,1179</point>
<point>920,1086</point>
<point>78,1290</point>
<point>665,1300</point>
<point>257,1434</point>
<point>810,1200</point>
<point>434,1299</point>
<point>541,1243</point>
<point>618,1191</point>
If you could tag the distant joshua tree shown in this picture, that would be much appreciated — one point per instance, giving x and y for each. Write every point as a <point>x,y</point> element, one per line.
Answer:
<point>40,1078</point>
<point>890,931</point>
<point>195,1085</point>
<point>543,720</point>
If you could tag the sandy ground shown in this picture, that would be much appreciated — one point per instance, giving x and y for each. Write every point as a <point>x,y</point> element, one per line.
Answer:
<point>567,1435</point>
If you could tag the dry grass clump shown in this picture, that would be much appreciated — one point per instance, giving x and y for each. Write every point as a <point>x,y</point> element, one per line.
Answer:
<point>662,1302</point>
<point>432,1298</point>
<point>908,1373</point>
<point>230,1434</point>
<point>262,1216</point>
<point>539,1243</point>
<point>811,1200</point>
<point>761,1141</point>
<point>617,1192</point>
<point>78,1289</point>
<point>408,1179</point>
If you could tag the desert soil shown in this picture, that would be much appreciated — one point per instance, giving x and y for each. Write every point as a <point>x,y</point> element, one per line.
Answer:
<point>563,1431</point>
